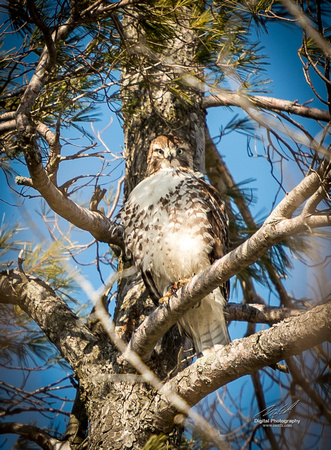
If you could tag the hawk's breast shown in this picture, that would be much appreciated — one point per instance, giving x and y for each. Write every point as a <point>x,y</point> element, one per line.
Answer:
<point>166,228</point>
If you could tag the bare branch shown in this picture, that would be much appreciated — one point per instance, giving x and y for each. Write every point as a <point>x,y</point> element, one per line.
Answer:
<point>307,388</point>
<point>117,196</point>
<point>256,313</point>
<point>303,21</point>
<point>221,178</point>
<point>7,115</point>
<point>135,361</point>
<point>245,356</point>
<point>101,227</point>
<point>48,55</point>
<point>53,140</point>
<point>96,10</point>
<point>298,195</point>
<point>227,98</point>
<point>259,394</point>
<point>94,222</point>
<point>37,19</point>
<point>8,126</point>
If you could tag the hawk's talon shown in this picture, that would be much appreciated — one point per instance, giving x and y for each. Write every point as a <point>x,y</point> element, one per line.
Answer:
<point>172,290</point>
<point>165,299</point>
<point>179,284</point>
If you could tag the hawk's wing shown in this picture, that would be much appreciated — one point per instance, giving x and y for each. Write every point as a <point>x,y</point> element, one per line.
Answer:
<point>150,285</point>
<point>218,220</point>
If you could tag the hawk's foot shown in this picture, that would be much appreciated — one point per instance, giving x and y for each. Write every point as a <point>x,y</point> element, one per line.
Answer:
<point>172,289</point>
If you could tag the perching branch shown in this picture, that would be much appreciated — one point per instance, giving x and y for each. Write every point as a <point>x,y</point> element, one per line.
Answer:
<point>78,346</point>
<point>277,227</point>
<point>244,356</point>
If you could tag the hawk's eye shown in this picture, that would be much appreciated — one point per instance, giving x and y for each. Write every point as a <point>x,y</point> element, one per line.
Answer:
<point>180,151</point>
<point>160,151</point>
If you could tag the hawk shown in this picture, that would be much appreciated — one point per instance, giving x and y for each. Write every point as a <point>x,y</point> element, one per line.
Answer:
<point>175,226</point>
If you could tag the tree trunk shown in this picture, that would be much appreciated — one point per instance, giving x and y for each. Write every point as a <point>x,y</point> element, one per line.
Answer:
<point>152,106</point>
<point>121,412</point>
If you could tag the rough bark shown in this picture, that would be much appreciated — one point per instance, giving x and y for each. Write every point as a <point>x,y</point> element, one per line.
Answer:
<point>151,108</point>
<point>91,354</point>
<point>119,405</point>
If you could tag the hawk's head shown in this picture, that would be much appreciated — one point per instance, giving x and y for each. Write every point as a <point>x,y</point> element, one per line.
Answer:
<point>167,152</point>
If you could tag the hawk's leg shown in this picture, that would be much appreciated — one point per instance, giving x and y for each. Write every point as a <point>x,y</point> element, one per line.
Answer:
<point>172,289</point>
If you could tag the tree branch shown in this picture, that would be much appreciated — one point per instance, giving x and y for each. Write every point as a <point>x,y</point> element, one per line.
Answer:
<point>221,178</point>
<point>306,188</point>
<point>8,126</point>
<point>97,224</point>
<point>50,313</point>
<point>245,356</point>
<point>305,23</point>
<point>259,395</point>
<point>100,226</point>
<point>34,434</point>
<point>37,19</point>
<point>228,98</point>
<point>306,386</point>
<point>98,8</point>
<point>255,313</point>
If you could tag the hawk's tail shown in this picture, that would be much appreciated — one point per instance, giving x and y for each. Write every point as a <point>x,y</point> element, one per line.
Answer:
<point>205,323</point>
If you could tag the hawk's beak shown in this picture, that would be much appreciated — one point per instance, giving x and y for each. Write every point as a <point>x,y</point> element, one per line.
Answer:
<point>170,154</point>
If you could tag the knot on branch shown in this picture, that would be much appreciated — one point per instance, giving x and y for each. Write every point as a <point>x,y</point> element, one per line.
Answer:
<point>23,181</point>
<point>96,198</point>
